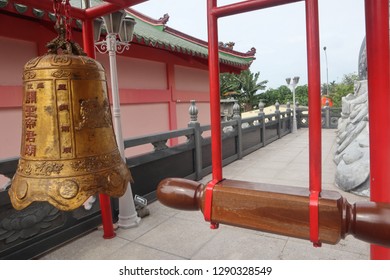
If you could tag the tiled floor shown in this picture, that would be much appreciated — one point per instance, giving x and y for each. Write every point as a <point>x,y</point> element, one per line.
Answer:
<point>171,234</point>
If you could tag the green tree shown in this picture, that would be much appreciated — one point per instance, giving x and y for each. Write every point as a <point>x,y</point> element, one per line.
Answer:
<point>283,95</point>
<point>301,95</point>
<point>328,89</point>
<point>244,87</point>
<point>344,88</point>
<point>228,84</point>
<point>250,87</point>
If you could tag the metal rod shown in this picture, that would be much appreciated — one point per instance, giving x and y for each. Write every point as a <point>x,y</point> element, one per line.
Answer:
<point>327,72</point>
<point>247,6</point>
<point>314,88</point>
<point>377,41</point>
<point>292,83</point>
<point>215,109</point>
<point>105,204</point>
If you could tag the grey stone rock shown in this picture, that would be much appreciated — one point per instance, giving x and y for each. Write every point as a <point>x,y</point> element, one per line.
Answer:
<point>341,137</point>
<point>361,116</point>
<point>362,96</point>
<point>352,154</point>
<point>363,189</point>
<point>346,107</point>
<point>351,136</point>
<point>352,175</point>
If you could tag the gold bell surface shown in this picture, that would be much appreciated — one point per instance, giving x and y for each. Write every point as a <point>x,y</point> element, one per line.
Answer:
<point>68,147</point>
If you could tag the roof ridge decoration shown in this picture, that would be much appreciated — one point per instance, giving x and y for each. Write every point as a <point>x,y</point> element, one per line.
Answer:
<point>156,22</point>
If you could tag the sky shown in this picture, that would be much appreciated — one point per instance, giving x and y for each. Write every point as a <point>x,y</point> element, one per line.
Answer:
<point>278,34</point>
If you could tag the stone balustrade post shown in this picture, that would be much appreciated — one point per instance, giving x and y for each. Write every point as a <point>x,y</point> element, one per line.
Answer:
<point>238,127</point>
<point>277,112</point>
<point>298,113</point>
<point>289,116</point>
<point>262,122</point>
<point>193,112</point>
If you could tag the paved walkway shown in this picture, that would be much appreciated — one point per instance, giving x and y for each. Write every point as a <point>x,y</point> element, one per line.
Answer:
<point>170,234</point>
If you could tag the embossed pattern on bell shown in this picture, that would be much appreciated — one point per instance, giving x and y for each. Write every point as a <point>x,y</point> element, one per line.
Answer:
<point>68,147</point>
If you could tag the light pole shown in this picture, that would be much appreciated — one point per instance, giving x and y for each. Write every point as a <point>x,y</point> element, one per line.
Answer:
<point>293,85</point>
<point>118,26</point>
<point>327,77</point>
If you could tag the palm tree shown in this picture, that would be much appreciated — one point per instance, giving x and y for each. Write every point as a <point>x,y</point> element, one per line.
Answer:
<point>249,85</point>
<point>228,83</point>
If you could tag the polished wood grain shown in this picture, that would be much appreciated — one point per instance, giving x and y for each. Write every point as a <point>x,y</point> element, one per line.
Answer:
<point>281,210</point>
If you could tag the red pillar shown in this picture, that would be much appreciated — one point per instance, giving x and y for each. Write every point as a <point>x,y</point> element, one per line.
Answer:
<point>377,40</point>
<point>215,114</point>
<point>216,143</point>
<point>314,87</point>
<point>105,204</point>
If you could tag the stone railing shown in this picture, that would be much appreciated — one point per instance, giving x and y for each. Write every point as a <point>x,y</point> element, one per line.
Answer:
<point>30,232</point>
<point>192,158</point>
<point>330,116</point>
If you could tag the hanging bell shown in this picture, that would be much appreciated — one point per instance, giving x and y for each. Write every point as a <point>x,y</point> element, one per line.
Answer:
<point>68,147</point>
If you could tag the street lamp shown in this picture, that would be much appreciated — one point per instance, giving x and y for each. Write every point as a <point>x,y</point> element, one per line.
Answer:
<point>293,85</point>
<point>327,79</point>
<point>119,35</point>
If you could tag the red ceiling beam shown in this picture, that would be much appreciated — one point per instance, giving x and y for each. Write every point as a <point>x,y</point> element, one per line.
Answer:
<point>113,6</point>
<point>247,6</point>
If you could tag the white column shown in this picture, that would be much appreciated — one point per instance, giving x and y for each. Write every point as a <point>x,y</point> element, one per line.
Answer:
<point>128,217</point>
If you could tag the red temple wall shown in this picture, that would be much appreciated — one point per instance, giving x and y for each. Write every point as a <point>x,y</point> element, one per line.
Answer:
<point>155,85</point>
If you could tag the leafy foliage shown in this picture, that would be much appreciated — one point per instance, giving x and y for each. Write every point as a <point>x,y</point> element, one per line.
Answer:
<point>229,84</point>
<point>245,87</point>
<point>342,89</point>
<point>283,95</point>
<point>327,89</point>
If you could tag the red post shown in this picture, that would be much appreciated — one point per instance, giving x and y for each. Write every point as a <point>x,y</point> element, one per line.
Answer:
<point>377,40</point>
<point>216,143</point>
<point>314,87</point>
<point>105,204</point>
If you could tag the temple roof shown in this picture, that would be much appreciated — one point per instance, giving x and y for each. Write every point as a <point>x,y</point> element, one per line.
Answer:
<point>157,34</point>
<point>150,32</point>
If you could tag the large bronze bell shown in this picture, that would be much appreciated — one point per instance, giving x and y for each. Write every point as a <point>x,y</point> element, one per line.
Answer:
<point>68,147</point>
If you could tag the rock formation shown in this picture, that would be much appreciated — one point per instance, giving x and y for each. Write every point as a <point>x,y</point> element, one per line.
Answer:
<point>352,155</point>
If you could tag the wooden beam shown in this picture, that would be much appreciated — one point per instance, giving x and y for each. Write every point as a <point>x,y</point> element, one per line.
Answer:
<point>281,210</point>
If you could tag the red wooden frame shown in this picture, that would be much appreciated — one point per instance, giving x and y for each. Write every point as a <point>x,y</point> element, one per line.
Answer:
<point>377,29</point>
<point>377,40</point>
